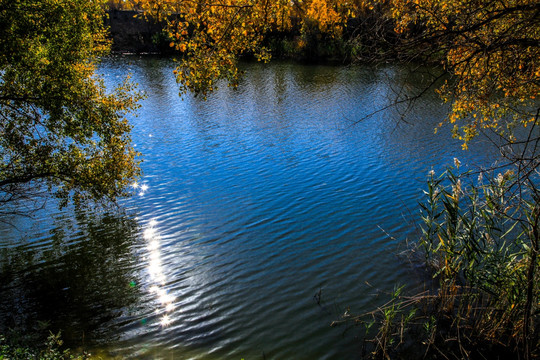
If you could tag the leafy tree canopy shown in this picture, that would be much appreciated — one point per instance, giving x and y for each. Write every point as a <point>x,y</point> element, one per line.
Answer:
<point>59,126</point>
<point>211,34</point>
<point>492,48</point>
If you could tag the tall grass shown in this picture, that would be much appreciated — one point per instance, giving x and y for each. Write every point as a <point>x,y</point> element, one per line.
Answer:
<point>480,242</point>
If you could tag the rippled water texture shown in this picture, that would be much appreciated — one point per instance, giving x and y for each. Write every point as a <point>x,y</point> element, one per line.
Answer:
<point>251,203</point>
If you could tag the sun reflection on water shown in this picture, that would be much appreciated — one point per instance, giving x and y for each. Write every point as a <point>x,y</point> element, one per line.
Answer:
<point>141,187</point>
<point>155,270</point>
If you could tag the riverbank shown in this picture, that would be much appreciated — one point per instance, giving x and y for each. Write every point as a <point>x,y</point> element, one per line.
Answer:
<point>132,34</point>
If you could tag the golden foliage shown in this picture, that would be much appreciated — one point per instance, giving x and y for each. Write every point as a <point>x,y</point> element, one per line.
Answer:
<point>493,50</point>
<point>490,47</point>
<point>211,34</point>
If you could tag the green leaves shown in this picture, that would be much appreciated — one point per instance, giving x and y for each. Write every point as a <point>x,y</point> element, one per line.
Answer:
<point>478,242</point>
<point>60,127</point>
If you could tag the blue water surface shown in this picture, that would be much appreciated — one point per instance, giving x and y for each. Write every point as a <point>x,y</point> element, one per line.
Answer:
<point>264,213</point>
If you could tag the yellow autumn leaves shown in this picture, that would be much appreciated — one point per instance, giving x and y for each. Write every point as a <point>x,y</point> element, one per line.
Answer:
<point>211,34</point>
<point>490,47</point>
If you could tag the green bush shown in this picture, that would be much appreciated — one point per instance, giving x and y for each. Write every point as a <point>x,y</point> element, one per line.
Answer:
<point>49,351</point>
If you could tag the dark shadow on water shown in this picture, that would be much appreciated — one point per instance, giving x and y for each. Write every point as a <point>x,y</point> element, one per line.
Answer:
<point>80,280</point>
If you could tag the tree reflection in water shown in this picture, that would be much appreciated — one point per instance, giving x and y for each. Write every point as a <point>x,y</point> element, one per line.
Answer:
<point>82,279</point>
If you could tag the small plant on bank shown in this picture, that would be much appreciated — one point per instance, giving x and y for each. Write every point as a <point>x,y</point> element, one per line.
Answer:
<point>50,351</point>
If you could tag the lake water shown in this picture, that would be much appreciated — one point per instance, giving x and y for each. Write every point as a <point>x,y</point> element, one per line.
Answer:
<point>263,214</point>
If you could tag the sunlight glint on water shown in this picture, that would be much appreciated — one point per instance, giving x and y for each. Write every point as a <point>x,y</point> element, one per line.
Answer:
<point>165,300</point>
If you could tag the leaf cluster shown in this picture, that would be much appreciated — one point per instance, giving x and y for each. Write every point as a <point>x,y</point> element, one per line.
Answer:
<point>492,50</point>
<point>59,126</point>
<point>50,351</point>
<point>210,35</point>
